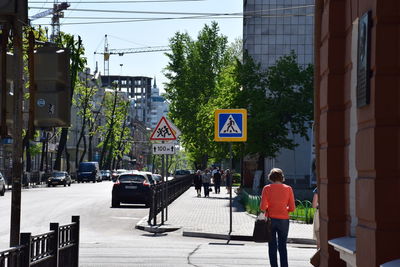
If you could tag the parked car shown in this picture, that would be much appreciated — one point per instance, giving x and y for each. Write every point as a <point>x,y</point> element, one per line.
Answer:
<point>105,175</point>
<point>59,178</point>
<point>131,188</point>
<point>116,173</point>
<point>2,185</point>
<point>181,173</point>
<point>157,178</point>
<point>89,172</point>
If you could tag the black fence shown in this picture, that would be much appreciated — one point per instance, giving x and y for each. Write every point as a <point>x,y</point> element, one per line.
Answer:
<point>165,193</point>
<point>59,247</point>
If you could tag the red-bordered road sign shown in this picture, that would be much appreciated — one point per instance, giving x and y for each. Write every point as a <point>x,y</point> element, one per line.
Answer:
<point>163,131</point>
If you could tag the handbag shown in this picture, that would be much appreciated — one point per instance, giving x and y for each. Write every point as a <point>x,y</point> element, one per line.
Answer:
<point>262,229</point>
<point>315,259</point>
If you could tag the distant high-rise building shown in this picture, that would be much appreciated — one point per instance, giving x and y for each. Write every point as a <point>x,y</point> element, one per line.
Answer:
<point>272,29</point>
<point>159,106</point>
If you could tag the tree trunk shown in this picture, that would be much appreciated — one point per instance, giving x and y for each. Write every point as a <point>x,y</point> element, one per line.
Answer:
<point>107,163</point>
<point>28,160</point>
<point>67,160</point>
<point>42,155</point>
<point>61,146</point>
<point>90,149</point>
<point>77,150</point>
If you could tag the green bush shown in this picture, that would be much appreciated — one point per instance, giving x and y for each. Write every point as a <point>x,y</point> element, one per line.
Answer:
<point>304,211</point>
<point>236,178</point>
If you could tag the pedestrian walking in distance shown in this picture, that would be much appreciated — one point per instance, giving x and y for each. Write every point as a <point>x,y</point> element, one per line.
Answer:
<point>206,182</point>
<point>217,181</point>
<point>277,200</point>
<point>197,180</point>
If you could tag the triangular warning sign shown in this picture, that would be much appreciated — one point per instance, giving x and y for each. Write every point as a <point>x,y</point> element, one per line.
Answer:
<point>230,126</point>
<point>163,131</point>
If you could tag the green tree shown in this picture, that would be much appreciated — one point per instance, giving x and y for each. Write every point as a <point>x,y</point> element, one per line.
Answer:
<point>194,71</point>
<point>279,102</point>
<point>117,141</point>
<point>83,100</point>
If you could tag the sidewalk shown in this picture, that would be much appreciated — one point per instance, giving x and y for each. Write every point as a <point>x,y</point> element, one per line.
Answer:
<point>209,218</point>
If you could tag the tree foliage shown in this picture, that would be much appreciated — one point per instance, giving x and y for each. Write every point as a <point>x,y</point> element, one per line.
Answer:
<point>117,141</point>
<point>195,69</point>
<point>279,102</point>
<point>207,74</point>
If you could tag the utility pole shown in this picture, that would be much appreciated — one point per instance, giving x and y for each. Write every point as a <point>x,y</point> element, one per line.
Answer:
<point>4,40</point>
<point>17,133</point>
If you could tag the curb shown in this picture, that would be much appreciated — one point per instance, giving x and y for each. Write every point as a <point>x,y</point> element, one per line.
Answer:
<point>142,225</point>
<point>303,241</point>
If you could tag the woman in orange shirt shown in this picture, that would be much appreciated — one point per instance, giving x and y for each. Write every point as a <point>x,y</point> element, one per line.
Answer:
<point>277,200</point>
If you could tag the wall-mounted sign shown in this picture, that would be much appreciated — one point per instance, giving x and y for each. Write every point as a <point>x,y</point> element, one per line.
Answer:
<point>363,60</point>
<point>41,102</point>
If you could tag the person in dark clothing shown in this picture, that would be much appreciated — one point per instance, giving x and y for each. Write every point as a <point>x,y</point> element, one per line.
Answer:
<point>217,181</point>
<point>197,180</point>
<point>206,178</point>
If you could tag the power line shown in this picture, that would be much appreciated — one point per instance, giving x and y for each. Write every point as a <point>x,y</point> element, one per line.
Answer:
<point>182,18</point>
<point>122,2</point>
<point>154,18</point>
<point>180,13</point>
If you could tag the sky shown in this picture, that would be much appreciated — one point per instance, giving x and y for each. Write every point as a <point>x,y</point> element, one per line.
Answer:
<point>139,33</point>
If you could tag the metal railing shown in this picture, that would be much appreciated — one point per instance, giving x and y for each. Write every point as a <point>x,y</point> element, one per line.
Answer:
<point>304,211</point>
<point>164,193</point>
<point>59,247</point>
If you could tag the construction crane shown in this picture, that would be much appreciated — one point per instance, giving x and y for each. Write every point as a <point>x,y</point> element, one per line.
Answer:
<point>57,13</point>
<point>107,52</point>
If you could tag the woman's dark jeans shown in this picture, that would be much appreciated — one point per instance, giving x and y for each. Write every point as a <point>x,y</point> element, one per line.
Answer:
<point>280,228</point>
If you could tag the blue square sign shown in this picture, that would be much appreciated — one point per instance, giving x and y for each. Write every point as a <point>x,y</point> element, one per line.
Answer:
<point>230,125</point>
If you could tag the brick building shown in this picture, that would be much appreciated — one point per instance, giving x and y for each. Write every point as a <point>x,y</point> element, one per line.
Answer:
<point>357,119</point>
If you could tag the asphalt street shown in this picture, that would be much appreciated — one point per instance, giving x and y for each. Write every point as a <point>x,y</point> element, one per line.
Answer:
<point>108,237</point>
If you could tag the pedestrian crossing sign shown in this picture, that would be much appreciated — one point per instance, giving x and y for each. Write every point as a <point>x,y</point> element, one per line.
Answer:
<point>230,125</point>
<point>164,131</point>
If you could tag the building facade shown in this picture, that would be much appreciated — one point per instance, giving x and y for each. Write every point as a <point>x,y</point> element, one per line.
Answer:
<point>272,29</point>
<point>357,131</point>
<point>139,89</point>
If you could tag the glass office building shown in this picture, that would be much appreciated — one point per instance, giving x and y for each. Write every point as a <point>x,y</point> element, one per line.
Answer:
<point>271,29</point>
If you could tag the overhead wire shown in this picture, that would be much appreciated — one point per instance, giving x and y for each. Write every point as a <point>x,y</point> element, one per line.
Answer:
<point>122,2</point>
<point>178,13</point>
<point>178,18</point>
<point>190,15</point>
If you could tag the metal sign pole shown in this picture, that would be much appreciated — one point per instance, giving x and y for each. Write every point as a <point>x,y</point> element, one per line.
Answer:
<point>17,136</point>
<point>230,192</point>
<point>166,190</point>
<point>163,191</point>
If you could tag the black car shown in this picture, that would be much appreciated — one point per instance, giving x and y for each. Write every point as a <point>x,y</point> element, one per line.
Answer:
<point>105,175</point>
<point>59,178</point>
<point>132,188</point>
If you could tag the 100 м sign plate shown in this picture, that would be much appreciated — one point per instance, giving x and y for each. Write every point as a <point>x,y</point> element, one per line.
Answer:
<point>163,149</point>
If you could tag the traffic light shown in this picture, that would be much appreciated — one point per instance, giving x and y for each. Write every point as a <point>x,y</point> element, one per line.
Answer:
<point>53,95</point>
<point>8,7</point>
<point>14,9</point>
<point>9,85</point>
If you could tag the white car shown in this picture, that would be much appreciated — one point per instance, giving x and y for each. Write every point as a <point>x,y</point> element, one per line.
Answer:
<point>2,185</point>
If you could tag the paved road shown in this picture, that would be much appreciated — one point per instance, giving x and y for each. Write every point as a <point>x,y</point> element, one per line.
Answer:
<point>108,237</point>
<point>40,206</point>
